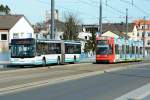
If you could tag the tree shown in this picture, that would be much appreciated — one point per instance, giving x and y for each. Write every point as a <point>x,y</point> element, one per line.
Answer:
<point>71,27</point>
<point>5,9</point>
<point>2,8</point>
<point>91,43</point>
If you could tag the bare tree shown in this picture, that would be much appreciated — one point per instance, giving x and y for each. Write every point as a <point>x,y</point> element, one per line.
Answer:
<point>71,28</point>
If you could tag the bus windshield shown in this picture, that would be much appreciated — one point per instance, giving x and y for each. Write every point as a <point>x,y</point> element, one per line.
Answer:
<point>22,51</point>
<point>104,50</point>
<point>102,42</point>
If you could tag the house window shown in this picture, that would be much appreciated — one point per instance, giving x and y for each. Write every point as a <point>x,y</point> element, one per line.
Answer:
<point>148,43</point>
<point>61,37</point>
<point>15,35</point>
<point>86,37</point>
<point>138,34</point>
<point>148,26</point>
<point>29,35</point>
<point>149,34</point>
<point>143,34</point>
<point>22,35</point>
<point>3,36</point>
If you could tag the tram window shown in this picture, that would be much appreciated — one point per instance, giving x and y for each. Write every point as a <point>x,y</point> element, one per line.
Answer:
<point>110,49</point>
<point>117,49</point>
<point>123,49</point>
<point>127,49</point>
<point>141,49</point>
<point>136,49</point>
<point>133,49</point>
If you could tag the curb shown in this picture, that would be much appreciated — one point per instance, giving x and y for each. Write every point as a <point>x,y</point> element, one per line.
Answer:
<point>38,68</point>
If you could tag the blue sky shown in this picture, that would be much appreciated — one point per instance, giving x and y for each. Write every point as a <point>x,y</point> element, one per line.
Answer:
<point>87,11</point>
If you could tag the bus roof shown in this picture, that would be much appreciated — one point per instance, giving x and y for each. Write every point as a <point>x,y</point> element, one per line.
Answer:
<point>23,41</point>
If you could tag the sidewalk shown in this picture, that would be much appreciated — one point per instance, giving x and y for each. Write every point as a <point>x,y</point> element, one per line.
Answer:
<point>88,60</point>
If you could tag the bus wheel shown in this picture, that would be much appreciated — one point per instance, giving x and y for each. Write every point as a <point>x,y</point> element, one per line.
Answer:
<point>43,62</point>
<point>58,61</point>
<point>74,60</point>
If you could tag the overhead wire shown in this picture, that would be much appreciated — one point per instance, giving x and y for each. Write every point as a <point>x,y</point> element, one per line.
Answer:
<point>133,4</point>
<point>95,5</point>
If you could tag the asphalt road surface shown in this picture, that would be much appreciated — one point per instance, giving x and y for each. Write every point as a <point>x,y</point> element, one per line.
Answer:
<point>107,86</point>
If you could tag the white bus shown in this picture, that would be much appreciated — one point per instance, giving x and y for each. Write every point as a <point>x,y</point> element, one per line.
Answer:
<point>42,52</point>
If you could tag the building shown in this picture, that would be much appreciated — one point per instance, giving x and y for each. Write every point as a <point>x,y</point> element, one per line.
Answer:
<point>84,36</point>
<point>117,28</point>
<point>141,26</point>
<point>44,29</point>
<point>12,27</point>
<point>48,15</point>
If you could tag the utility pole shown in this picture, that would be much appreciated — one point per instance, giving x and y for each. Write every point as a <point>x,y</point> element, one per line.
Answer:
<point>52,35</point>
<point>132,3</point>
<point>100,17</point>
<point>126,34</point>
<point>144,37</point>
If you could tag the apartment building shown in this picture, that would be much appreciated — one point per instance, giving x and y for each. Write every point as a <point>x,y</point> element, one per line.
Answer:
<point>144,33</point>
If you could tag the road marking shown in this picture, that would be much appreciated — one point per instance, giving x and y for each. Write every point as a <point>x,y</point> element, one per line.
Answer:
<point>138,94</point>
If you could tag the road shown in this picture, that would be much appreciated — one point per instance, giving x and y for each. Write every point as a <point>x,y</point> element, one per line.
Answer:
<point>107,86</point>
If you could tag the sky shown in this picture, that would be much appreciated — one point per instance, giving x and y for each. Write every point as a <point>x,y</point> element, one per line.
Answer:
<point>86,11</point>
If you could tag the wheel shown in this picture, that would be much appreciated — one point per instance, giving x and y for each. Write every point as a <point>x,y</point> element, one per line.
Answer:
<point>75,60</point>
<point>43,62</point>
<point>58,61</point>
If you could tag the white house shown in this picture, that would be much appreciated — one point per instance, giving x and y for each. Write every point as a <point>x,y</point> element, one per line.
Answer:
<point>83,36</point>
<point>12,27</point>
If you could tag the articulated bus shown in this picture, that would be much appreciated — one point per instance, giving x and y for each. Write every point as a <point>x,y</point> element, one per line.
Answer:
<point>32,51</point>
<point>111,50</point>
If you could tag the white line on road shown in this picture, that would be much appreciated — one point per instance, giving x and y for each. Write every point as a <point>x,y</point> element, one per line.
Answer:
<point>138,94</point>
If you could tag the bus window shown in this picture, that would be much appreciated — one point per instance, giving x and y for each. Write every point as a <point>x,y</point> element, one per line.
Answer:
<point>72,48</point>
<point>22,51</point>
<point>54,48</point>
<point>69,49</point>
<point>78,49</point>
